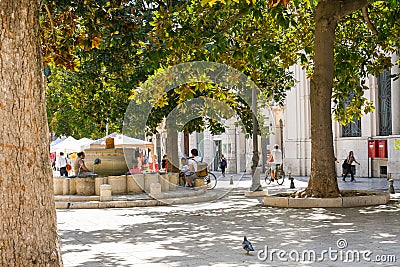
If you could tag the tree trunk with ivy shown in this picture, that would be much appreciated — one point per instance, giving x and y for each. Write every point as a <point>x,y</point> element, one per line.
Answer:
<point>28,227</point>
<point>323,179</point>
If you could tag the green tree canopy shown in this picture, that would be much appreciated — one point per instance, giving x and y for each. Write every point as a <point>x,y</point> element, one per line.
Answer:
<point>119,53</point>
<point>108,48</point>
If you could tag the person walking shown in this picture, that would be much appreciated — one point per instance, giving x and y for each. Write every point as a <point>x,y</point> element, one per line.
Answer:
<point>62,163</point>
<point>222,164</point>
<point>347,166</point>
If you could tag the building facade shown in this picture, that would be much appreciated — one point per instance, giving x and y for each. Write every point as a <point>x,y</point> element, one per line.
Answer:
<point>375,138</point>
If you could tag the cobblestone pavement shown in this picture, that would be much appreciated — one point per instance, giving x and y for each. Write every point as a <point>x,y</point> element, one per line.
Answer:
<point>210,234</point>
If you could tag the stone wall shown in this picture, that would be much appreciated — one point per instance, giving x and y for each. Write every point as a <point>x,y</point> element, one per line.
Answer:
<point>123,184</point>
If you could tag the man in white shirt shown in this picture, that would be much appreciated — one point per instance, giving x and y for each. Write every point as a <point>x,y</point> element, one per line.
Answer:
<point>276,158</point>
<point>61,164</point>
<point>191,174</point>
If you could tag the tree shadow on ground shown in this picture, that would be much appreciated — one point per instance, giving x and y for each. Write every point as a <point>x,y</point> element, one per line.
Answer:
<point>211,234</point>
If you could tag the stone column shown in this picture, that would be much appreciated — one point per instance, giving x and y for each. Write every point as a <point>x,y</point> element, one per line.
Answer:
<point>105,192</point>
<point>164,181</point>
<point>85,186</point>
<point>173,179</point>
<point>58,183</point>
<point>395,90</point>
<point>135,183</point>
<point>66,186</point>
<point>155,190</point>
<point>97,183</point>
<point>118,184</point>
<point>150,178</point>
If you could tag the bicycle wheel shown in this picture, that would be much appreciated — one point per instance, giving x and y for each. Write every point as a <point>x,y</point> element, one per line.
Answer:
<point>210,181</point>
<point>280,177</point>
<point>268,176</point>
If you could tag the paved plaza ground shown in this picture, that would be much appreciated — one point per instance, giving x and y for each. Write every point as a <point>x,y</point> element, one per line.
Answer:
<point>210,234</point>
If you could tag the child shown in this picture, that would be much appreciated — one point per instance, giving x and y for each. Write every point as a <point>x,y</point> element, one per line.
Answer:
<point>184,169</point>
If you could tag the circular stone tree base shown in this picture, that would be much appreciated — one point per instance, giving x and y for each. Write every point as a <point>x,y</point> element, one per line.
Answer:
<point>350,198</point>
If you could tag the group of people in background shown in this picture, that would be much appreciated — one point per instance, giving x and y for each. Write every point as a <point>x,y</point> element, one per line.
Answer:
<point>76,164</point>
<point>144,163</point>
<point>275,159</point>
<point>188,166</point>
<point>147,163</point>
<point>62,164</point>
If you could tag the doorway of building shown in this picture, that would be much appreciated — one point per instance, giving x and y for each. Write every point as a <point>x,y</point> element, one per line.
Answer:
<point>218,152</point>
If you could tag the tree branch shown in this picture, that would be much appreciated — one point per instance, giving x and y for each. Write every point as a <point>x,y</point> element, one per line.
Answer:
<point>350,6</point>
<point>369,23</point>
<point>51,20</point>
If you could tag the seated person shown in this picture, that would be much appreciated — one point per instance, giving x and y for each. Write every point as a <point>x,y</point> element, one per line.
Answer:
<point>183,170</point>
<point>155,163</point>
<point>135,168</point>
<point>145,168</point>
<point>80,168</point>
<point>164,163</point>
<point>191,173</point>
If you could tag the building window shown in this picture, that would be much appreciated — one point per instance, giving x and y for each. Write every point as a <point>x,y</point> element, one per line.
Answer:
<point>353,129</point>
<point>384,103</point>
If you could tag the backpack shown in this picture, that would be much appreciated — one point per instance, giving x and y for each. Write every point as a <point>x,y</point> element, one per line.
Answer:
<point>223,162</point>
<point>201,168</point>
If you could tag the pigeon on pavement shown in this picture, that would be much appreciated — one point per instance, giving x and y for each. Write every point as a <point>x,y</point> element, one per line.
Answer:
<point>247,245</point>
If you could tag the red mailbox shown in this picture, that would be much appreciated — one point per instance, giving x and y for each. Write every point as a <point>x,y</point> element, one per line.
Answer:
<point>372,148</point>
<point>382,149</point>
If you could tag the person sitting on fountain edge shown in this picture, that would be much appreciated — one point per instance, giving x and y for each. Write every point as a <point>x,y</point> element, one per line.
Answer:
<point>80,168</point>
<point>193,160</point>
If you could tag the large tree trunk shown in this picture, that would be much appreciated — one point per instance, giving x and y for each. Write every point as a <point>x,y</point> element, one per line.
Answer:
<point>28,232</point>
<point>323,181</point>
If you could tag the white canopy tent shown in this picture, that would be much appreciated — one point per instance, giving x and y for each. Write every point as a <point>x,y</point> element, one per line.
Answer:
<point>55,142</point>
<point>84,143</point>
<point>121,141</point>
<point>71,145</point>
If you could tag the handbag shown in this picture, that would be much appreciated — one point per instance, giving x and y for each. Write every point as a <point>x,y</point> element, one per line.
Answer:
<point>345,165</point>
<point>68,167</point>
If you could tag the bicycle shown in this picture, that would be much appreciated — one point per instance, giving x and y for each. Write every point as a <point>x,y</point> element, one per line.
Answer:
<point>210,180</point>
<point>279,174</point>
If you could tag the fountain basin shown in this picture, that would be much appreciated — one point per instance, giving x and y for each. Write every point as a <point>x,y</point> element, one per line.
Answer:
<point>114,161</point>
